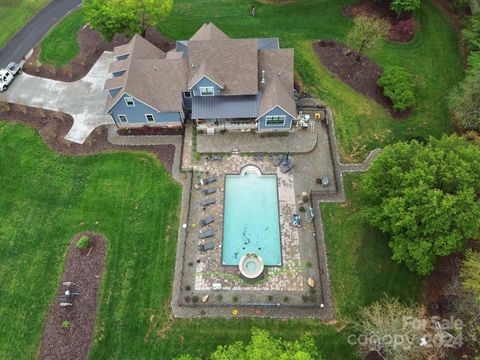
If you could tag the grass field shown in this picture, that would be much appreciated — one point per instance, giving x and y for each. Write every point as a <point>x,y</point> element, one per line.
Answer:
<point>15,14</point>
<point>46,198</point>
<point>60,45</point>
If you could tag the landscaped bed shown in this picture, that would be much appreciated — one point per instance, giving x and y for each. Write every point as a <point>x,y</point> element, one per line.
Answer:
<point>69,329</point>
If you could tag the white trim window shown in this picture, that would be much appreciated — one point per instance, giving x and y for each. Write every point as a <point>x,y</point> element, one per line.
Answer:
<point>129,101</point>
<point>207,91</point>
<point>150,118</point>
<point>123,118</point>
<point>275,120</point>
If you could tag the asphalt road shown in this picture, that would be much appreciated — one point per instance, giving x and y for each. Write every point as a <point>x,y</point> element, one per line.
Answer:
<point>35,30</point>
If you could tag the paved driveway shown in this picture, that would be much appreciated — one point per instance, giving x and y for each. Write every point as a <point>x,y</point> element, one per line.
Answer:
<point>84,99</point>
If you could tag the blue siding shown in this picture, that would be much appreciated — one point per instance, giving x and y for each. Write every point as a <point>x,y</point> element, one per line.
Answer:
<point>205,82</point>
<point>136,114</point>
<point>275,111</point>
<point>122,57</point>
<point>114,92</point>
<point>118,73</point>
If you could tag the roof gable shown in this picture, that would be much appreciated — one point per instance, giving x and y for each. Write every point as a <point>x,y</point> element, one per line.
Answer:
<point>208,31</point>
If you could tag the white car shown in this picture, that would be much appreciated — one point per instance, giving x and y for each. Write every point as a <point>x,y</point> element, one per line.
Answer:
<point>8,74</point>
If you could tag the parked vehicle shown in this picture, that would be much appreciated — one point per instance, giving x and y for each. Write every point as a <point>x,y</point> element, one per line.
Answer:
<point>8,74</point>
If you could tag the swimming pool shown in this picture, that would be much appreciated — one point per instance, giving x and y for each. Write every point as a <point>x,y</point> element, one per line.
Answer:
<point>251,219</point>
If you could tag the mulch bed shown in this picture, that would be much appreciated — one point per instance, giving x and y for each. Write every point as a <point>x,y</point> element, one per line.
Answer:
<point>150,130</point>
<point>91,47</point>
<point>85,269</point>
<point>53,126</point>
<point>402,29</point>
<point>361,76</point>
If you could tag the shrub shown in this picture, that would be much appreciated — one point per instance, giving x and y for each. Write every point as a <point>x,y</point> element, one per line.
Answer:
<point>285,299</point>
<point>187,288</point>
<point>83,242</point>
<point>305,298</point>
<point>235,298</point>
<point>195,299</point>
<point>301,208</point>
<point>190,263</point>
<point>399,6</point>
<point>319,181</point>
<point>66,324</point>
<point>219,297</point>
<point>269,298</point>
<point>398,84</point>
<point>471,33</point>
<point>274,134</point>
<point>197,156</point>
<point>187,299</point>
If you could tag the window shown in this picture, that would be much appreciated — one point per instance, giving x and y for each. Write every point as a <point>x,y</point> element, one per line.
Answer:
<point>206,90</point>
<point>122,57</point>
<point>129,101</point>
<point>123,118</point>
<point>276,120</point>
<point>149,118</point>
<point>187,94</point>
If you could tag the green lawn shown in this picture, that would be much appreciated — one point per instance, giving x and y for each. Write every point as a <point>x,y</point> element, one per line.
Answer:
<point>15,14</point>
<point>46,198</point>
<point>359,257</point>
<point>60,46</point>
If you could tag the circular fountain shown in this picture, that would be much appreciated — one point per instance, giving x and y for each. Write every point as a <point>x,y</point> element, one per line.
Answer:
<point>251,266</point>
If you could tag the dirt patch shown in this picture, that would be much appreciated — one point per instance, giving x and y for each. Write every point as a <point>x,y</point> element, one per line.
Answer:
<point>91,47</point>
<point>150,130</point>
<point>85,269</point>
<point>402,29</point>
<point>361,76</point>
<point>53,126</point>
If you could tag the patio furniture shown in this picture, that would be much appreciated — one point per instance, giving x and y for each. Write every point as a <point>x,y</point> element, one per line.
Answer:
<point>296,220</point>
<point>206,247</point>
<point>310,214</point>
<point>286,168</point>
<point>207,220</point>
<point>209,180</point>
<point>287,159</point>
<point>68,294</point>
<point>214,158</point>
<point>209,191</point>
<point>325,181</point>
<point>206,234</point>
<point>207,202</point>
<point>278,160</point>
<point>260,156</point>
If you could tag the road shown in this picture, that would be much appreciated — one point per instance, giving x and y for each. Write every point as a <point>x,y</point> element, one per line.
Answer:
<point>35,30</point>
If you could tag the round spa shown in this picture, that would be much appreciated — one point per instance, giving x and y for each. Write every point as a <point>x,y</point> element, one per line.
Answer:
<point>251,266</point>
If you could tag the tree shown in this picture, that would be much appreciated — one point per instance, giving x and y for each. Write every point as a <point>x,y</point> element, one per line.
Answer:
<point>399,6</point>
<point>263,346</point>
<point>390,329</point>
<point>110,17</point>
<point>367,32</point>
<point>426,197</point>
<point>398,84</point>
<point>464,100</point>
<point>470,274</point>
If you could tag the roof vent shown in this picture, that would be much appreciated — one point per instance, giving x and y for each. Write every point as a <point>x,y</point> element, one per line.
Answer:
<point>279,73</point>
<point>263,77</point>
<point>193,66</point>
<point>155,67</point>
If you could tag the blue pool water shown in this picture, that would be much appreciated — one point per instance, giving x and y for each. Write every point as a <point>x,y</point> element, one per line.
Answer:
<point>251,223</point>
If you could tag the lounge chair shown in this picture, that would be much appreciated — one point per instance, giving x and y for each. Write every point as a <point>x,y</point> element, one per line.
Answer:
<point>209,191</point>
<point>206,234</point>
<point>286,168</point>
<point>207,220</point>
<point>206,247</point>
<point>209,180</point>
<point>278,160</point>
<point>207,202</point>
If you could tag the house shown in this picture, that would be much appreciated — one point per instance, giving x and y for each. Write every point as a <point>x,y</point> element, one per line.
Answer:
<point>219,82</point>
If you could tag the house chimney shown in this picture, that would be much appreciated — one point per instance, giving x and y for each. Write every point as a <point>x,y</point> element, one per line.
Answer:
<point>263,77</point>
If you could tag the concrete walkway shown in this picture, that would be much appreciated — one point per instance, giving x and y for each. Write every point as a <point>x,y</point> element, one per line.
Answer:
<point>84,100</point>
<point>35,30</point>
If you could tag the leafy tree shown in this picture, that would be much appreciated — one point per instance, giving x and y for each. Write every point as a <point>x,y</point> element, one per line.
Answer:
<point>426,197</point>
<point>399,6</point>
<point>464,100</point>
<point>398,84</point>
<point>385,319</point>
<point>263,346</point>
<point>110,17</point>
<point>367,32</point>
<point>471,33</point>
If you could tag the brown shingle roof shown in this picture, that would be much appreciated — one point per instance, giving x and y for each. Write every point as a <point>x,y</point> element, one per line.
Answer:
<point>230,63</point>
<point>208,31</point>
<point>278,87</point>
<point>150,77</point>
